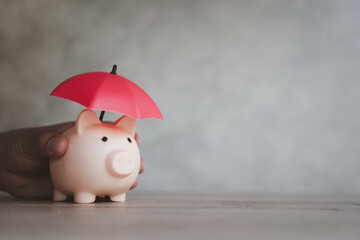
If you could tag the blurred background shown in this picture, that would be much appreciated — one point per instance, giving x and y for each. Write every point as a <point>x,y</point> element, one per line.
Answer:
<point>257,96</point>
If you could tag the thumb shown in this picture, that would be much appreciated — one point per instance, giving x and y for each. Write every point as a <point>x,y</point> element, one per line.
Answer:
<point>39,142</point>
<point>50,141</point>
<point>25,150</point>
<point>53,145</point>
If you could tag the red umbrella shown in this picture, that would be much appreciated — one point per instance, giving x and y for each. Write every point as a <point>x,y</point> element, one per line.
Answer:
<point>108,92</point>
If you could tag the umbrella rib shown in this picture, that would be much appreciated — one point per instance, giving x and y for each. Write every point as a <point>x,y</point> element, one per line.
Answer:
<point>93,100</point>
<point>136,106</point>
<point>129,90</point>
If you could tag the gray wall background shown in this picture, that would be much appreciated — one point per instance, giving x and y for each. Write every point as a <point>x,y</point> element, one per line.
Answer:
<point>256,95</point>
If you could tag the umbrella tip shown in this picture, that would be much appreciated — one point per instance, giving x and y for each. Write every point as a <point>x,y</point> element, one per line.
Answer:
<point>113,71</point>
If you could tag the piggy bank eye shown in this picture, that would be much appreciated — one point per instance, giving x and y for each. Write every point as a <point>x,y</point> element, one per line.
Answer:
<point>104,139</point>
<point>129,140</point>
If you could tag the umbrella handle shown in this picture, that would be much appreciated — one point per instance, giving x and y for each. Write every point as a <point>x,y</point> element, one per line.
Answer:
<point>113,71</point>
<point>102,115</point>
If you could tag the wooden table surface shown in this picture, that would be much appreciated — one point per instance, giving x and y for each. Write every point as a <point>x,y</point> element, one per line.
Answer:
<point>185,216</point>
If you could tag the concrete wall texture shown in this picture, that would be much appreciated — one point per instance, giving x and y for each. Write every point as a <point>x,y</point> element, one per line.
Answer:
<point>256,95</point>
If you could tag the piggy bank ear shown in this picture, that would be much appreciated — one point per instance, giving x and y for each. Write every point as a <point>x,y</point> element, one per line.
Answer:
<point>128,123</point>
<point>85,119</point>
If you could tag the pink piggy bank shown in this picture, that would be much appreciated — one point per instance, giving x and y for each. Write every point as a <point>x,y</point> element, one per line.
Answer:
<point>102,160</point>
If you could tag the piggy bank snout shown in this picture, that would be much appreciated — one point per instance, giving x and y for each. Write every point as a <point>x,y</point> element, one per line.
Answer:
<point>120,163</point>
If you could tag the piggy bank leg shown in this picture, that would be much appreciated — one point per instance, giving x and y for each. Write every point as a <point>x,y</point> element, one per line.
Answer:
<point>82,197</point>
<point>59,196</point>
<point>118,198</point>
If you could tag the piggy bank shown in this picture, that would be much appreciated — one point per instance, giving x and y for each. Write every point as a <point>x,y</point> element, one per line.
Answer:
<point>102,159</point>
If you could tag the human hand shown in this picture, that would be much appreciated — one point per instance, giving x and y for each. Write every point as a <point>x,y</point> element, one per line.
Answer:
<point>24,159</point>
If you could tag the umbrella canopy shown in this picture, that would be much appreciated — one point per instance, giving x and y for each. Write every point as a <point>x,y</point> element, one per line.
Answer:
<point>108,92</point>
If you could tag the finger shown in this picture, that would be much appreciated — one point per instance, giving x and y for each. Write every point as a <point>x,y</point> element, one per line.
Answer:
<point>33,145</point>
<point>53,145</point>
<point>43,142</point>
<point>28,150</point>
<point>142,166</point>
<point>134,185</point>
<point>137,139</point>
